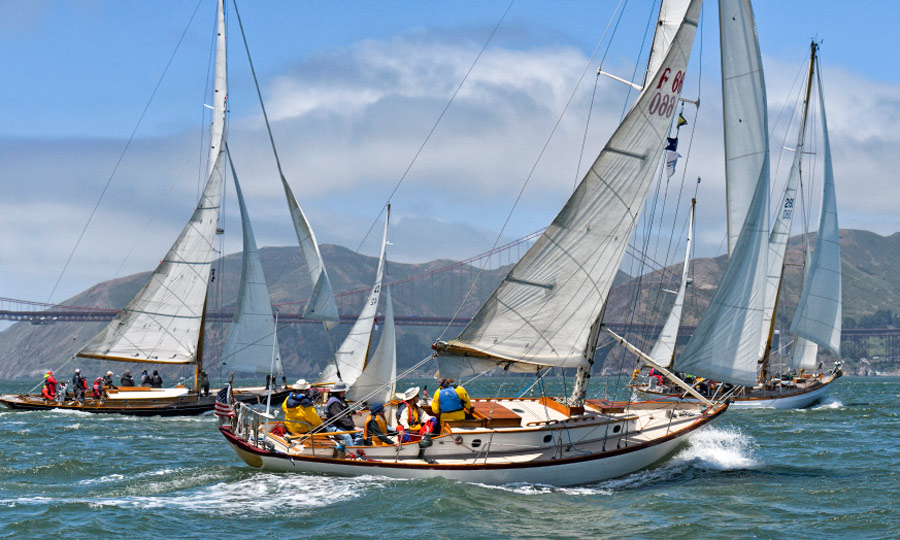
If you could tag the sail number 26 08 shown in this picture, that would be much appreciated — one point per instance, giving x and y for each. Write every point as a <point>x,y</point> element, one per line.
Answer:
<point>663,105</point>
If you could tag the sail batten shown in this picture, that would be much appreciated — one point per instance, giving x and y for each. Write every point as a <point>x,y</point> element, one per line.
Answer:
<point>162,323</point>
<point>525,326</point>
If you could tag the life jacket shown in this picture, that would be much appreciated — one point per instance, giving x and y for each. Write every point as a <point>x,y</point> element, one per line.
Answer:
<point>98,388</point>
<point>300,419</point>
<point>429,427</point>
<point>412,415</point>
<point>448,400</point>
<point>382,425</point>
<point>51,383</point>
<point>46,392</point>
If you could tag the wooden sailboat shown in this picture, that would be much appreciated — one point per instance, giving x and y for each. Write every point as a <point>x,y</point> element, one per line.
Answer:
<point>164,322</point>
<point>745,304</point>
<point>547,312</point>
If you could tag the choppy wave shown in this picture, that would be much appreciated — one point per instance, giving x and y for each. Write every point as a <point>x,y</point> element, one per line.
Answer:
<point>830,402</point>
<point>544,489</point>
<point>719,448</point>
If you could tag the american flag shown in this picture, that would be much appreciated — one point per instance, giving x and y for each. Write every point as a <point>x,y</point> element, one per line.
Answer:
<point>223,403</point>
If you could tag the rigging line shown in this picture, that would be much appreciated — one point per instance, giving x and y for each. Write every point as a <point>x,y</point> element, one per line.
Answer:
<point>122,155</point>
<point>438,121</point>
<point>530,174</point>
<point>650,24</point>
<point>584,138</point>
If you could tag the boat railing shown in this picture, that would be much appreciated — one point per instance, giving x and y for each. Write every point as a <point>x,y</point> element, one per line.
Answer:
<point>247,420</point>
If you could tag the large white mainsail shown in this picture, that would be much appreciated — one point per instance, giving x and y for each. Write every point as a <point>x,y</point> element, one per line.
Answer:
<point>663,350</point>
<point>162,323</point>
<point>818,315</point>
<point>350,358</point>
<point>378,379</point>
<point>725,345</point>
<point>251,338</point>
<point>744,110</point>
<point>543,311</point>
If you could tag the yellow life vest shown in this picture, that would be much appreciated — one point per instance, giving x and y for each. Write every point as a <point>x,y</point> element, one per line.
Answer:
<point>412,415</point>
<point>299,419</point>
<point>382,425</point>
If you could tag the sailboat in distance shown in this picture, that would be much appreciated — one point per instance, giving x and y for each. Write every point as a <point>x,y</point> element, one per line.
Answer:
<point>547,312</point>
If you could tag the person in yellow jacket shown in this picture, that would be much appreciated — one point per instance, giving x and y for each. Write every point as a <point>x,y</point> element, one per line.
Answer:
<point>299,414</point>
<point>450,402</point>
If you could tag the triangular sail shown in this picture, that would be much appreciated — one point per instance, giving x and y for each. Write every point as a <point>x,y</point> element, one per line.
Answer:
<point>350,358</point>
<point>818,315</point>
<point>744,109</point>
<point>671,13</point>
<point>664,350</point>
<point>162,323</point>
<point>725,345</point>
<point>804,352</point>
<point>321,305</point>
<point>251,338</point>
<point>543,311</point>
<point>376,383</point>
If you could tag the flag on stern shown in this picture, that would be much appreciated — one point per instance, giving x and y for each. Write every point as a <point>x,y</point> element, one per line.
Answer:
<point>224,401</point>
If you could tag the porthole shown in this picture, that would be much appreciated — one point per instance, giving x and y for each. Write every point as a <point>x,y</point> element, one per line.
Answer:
<point>548,438</point>
<point>476,443</point>
<point>617,429</point>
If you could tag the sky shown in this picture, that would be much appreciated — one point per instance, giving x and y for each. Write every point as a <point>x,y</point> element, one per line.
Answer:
<point>353,89</point>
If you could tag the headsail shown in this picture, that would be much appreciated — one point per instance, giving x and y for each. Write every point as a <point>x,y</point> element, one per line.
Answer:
<point>671,13</point>
<point>350,358</point>
<point>378,378</point>
<point>746,125</point>
<point>543,311</point>
<point>725,345</point>
<point>664,350</point>
<point>251,339</point>
<point>818,315</point>
<point>162,323</point>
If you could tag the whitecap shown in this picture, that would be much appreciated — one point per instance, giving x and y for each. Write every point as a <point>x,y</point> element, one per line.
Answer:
<point>720,448</point>
<point>829,402</point>
<point>544,489</point>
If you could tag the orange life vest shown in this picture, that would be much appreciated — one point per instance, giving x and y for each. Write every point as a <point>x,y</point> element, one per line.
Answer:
<point>382,425</point>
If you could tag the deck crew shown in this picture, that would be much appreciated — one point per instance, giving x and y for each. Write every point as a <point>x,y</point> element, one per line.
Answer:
<point>204,383</point>
<point>451,402</point>
<point>375,428</point>
<point>299,414</point>
<point>337,414</point>
<point>145,379</point>
<point>127,379</point>
<point>108,380</point>
<point>50,383</point>
<point>47,392</point>
<point>97,389</point>
<point>410,417</point>
<point>156,381</point>
<point>79,385</point>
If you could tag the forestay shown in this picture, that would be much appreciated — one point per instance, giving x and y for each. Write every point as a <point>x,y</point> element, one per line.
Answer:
<point>376,383</point>
<point>818,315</point>
<point>162,323</point>
<point>251,340</point>
<point>744,98</point>
<point>350,358</point>
<point>543,310</point>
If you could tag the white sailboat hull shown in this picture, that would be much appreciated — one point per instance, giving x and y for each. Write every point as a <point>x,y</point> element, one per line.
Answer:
<point>580,449</point>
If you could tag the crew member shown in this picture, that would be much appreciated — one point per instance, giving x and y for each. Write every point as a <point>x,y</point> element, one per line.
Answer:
<point>108,380</point>
<point>156,381</point>
<point>79,385</point>
<point>50,383</point>
<point>337,414</point>
<point>299,414</point>
<point>452,403</point>
<point>409,415</point>
<point>97,390</point>
<point>375,428</point>
<point>145,379</point>
<point>47,393</point>
<point>204,383</point>
<point>127,379</point>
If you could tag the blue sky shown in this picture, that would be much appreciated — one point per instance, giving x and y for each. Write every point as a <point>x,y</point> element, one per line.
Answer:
<point>353,88</point>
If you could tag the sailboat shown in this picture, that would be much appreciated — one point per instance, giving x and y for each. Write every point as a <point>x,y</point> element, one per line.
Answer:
<point>164,322</point>
<point>745,303</point>
<point>547,312</point>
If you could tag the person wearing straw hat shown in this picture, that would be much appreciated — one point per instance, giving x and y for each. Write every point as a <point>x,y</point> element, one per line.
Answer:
<point>338,416</point>
<point>410,417</point>
<point>299,414</point>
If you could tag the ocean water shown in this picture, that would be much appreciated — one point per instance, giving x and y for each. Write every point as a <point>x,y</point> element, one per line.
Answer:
<point>831,471</point>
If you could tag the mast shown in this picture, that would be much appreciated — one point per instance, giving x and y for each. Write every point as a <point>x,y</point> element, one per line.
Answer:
<point>782,227</point>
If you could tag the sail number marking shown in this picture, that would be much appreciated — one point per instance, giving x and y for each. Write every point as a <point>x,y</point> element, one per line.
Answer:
<point>788,208</point>
<point>664,105</point>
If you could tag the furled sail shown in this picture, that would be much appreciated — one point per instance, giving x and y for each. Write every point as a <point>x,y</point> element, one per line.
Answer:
<point>321,305</point>
<point>671,13</point>
<point>162,323</point>
<point>664,350</point>
<point>376,383</point>
<point>543,310</point>
<point>818,315</point>
<point>725,345</point>
<point>350,358</point>
<point>251,339</point>
<point>744,97</point>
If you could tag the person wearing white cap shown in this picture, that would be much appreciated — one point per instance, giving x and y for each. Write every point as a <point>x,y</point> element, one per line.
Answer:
<point>108,380</point>
<point>338,416</point>
<point>299,414</point>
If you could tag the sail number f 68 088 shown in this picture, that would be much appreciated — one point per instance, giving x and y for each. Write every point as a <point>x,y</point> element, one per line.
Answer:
<point>664,105</point>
